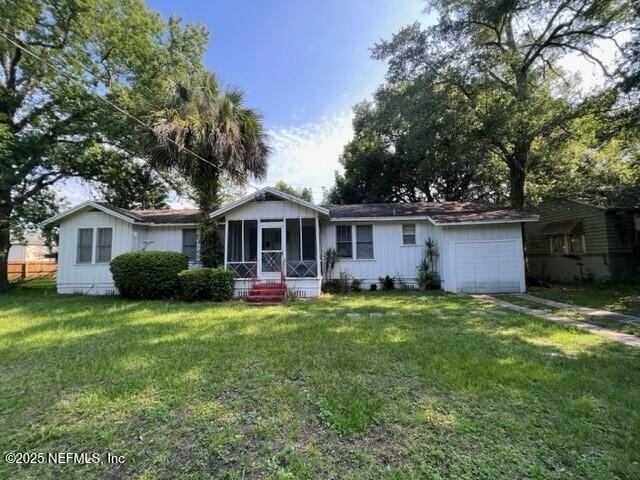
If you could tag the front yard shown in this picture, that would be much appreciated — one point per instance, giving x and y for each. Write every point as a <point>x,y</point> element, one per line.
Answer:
<point>617,297</point>
<point>358,386</point>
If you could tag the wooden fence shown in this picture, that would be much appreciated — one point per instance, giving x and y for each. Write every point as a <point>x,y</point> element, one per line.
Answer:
<point>26,270</point>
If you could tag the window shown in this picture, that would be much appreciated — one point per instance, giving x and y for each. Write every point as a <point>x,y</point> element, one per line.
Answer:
<point>344,247</point>
<point>409,234</point>
<point>190,243</point>
<point>364,242</point>
<point>103,245</point>
<point>85,245</point>
<point>567,244</point>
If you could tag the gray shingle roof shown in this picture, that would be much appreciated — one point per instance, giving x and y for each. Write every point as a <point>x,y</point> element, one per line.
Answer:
<point>159,216</point>
<point>444,212</point>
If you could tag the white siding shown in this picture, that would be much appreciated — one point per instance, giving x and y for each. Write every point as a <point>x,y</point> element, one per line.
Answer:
<point>165,239</point>
<point>89,278</point>
<point>96,279</point>
<point>270,209</point>
<point>390,256</point>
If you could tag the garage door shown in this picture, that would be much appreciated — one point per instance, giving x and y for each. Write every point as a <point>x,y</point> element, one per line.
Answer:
<point>488,267</point>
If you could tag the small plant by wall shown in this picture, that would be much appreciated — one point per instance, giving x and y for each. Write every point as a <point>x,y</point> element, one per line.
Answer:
<point>426,275</point>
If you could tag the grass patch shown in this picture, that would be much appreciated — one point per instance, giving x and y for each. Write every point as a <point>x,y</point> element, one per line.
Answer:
<point>617,297</point>
<point>611,324</point>
<point>358,386</point>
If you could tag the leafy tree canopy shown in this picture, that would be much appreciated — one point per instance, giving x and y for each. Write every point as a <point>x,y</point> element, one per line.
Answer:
<point>497,66</point>
<point>52,128</point>
<point>305,193</point>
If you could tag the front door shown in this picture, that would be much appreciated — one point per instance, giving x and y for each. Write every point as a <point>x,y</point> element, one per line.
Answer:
<point>271,253</point>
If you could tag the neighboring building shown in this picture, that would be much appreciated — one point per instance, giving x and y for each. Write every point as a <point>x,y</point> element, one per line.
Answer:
<point>575,240</point>
<point>270,234</point>
<point>30,248</point>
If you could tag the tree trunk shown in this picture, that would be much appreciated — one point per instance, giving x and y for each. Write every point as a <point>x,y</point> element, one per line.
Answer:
<point>5,245</point>
<point>518,177</point>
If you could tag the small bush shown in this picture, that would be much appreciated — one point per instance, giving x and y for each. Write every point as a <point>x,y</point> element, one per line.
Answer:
<point>388,283</point>
<point>195,284</point>
<point>356,285</point>
<point>222,285</point>
<point>148,274</point>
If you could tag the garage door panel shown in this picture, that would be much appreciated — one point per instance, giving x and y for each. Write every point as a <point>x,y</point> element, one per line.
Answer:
<point>488,267</point>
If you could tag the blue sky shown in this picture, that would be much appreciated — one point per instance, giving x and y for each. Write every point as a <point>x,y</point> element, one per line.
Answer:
<point>296,60</point>
<point>303,65</point>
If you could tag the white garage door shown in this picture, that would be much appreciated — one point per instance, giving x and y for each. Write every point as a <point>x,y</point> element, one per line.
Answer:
<point>488,267</point>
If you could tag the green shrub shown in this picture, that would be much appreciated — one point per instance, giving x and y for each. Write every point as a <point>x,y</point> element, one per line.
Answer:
<point>148,274</point>
<point>388,283</point>
<point>195,284</point>
<point>222,285</point>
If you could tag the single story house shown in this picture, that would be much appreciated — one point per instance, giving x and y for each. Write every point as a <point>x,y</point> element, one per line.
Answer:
<point>270,235</point>
<point>576,240</point>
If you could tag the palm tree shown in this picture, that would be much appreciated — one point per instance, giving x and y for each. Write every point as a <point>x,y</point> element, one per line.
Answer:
<point>198,117</point>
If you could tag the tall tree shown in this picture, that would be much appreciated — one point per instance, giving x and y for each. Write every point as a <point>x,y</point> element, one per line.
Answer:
<point>133,186</point>
<point>416,142</point>
<point>498,54</point>
<point>227,138</point>
<point>52,128</point>
<point>305,193</point>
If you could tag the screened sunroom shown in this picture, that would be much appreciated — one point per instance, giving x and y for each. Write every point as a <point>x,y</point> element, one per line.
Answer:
<point>267,248</point>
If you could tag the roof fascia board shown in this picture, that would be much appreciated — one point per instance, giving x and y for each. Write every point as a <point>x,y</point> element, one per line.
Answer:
<point>487,222</point>
<point>77,208</point>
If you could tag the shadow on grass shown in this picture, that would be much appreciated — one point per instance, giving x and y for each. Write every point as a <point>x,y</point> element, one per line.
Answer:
<point>357,382</point>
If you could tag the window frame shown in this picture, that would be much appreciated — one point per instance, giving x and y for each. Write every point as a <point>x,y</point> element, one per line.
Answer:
<point>353,229</point>
<point>358,242</point>
<point>91,260</point>
<point>414,234</point>
<point>346,242</point>
<point>567,247</point>
<point>97,246</point>
<point>182,246</point>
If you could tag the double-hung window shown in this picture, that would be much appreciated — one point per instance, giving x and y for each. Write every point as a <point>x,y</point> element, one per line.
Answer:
<point>190,243</point>
<point>103,245</point>
<point>94,245</point>
<point>344,245</point>
<point>364,242</point>
<point>84,253</point>
<point>356,239</point>
<point>567,244</point>
<point>409,234</point>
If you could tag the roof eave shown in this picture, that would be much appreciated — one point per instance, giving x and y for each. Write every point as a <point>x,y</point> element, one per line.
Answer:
<point>487,222</point>
<point>60,216</point>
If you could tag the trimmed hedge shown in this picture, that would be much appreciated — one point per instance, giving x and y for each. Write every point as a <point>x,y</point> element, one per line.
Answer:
<point>195,284</point>
<point>221,281</point>
<point>145,275</point>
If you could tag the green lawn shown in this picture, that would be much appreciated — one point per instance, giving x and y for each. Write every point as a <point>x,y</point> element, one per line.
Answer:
<point>360,386</point>
<point>611,324</point>
<point>617,297</point>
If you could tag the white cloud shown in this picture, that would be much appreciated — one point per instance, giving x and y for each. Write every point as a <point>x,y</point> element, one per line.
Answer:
<point>307,155</point>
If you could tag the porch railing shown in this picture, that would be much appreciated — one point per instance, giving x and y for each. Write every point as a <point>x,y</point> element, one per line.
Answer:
<point>272,261</point>
<point>302,268</point>
<point>243,269</point>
